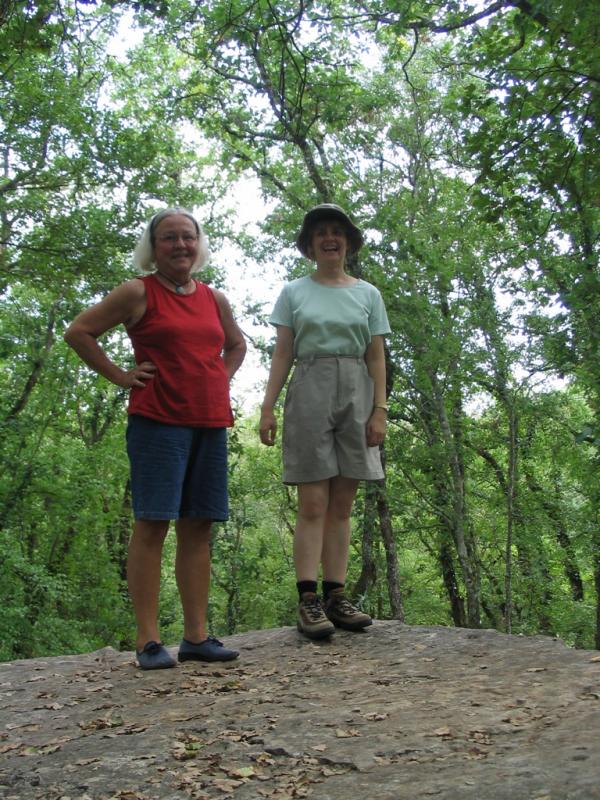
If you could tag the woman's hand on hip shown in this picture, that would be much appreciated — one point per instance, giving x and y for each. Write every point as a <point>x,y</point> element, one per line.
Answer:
<point>267,427</point>
<point>139,375</point>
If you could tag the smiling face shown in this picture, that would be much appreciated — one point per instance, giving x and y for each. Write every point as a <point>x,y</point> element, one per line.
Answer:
<point>175,245</point>
<point>328,243</point>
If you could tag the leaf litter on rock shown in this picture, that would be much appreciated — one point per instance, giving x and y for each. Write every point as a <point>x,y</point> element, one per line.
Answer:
<point>346,733</point>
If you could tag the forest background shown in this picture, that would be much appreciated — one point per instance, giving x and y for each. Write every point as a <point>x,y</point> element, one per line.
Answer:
<point>463,138</point>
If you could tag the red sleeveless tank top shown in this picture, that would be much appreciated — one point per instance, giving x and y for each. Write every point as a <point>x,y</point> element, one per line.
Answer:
<point>182,335</point>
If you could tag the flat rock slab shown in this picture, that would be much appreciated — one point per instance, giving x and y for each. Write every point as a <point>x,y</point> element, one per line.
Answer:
<point>394,712</point>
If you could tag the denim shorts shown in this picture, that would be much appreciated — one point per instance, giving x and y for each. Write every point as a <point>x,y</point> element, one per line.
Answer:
<point>327,406</point>
<point>177,471</point>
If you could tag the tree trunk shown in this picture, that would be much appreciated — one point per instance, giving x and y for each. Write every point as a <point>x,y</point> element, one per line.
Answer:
<point>510,509</point>
<point>457,603</point>
<point>368,573</point>
<point>553,510</point>
<point>597,587</point>
<point>596,548</point>
<point>389,543</point>
<point>37,365</point>
<point>119,541</point>
<point>465,546</point>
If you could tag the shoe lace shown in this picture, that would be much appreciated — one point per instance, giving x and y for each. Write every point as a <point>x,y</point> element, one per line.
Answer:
<point>214,640</point>
<point>313,608</point>
<point>343,605</point>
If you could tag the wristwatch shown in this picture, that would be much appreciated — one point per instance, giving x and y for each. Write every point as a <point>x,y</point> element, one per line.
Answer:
<point>381,405</point>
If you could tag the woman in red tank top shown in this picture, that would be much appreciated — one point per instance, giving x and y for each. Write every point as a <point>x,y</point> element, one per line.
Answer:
<point>187,347</point>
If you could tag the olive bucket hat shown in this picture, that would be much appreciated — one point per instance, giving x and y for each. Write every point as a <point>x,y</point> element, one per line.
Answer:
<point>328,211</point>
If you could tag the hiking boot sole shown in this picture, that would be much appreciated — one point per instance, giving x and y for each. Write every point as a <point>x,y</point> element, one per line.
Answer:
<point>352,626</point>
<point>325,633</point>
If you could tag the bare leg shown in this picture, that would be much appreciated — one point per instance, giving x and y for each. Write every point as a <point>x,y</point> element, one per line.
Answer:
<point>336,537</point>
<point>192,571</point>
<point>143,576</point>
<point>313,499</point>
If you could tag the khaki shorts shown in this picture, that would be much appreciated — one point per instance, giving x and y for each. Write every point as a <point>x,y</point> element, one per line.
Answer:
<point>328,403</point>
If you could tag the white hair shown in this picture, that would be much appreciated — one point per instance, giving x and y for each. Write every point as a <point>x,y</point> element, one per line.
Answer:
<point>143,255</point>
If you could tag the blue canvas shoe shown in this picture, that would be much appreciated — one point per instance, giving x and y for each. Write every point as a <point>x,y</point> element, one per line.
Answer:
<point>154,656</point>
<point>210,649</point>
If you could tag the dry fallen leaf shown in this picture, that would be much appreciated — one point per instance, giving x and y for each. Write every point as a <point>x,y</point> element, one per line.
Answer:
<point>29,726</point>
<point>476,754</point>
<point>384,762</point>
<point>5,748</point>
<point>329,772</point>
<point>241,772</point>
<point>226,785</point>
<point>187,747</point>
<point>342,733</point>
<point>375,717</point>
<point>102,723</point>
<point>263,759</point>
<point>131,729</point>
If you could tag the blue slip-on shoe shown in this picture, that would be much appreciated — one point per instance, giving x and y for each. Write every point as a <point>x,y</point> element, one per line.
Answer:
<point>154,656</point>
<point>210,649</point>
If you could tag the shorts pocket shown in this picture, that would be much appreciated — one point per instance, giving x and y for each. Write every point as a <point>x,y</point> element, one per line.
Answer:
<point>298,375</point>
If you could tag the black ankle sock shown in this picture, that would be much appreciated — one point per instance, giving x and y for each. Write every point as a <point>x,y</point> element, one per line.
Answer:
<point>306,586</point>
<point>328,586</point>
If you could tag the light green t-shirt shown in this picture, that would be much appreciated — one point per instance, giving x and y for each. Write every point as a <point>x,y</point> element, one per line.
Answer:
<point>330,320</point>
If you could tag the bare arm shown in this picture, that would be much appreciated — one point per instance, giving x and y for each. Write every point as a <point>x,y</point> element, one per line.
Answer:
<point>234,351</point>
<point>281,363</point>
<point>375,360</point>
<point>124,305</point>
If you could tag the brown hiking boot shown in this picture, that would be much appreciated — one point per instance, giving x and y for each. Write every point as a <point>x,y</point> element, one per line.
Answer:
<point>343,614</point>
<point>312,621</point>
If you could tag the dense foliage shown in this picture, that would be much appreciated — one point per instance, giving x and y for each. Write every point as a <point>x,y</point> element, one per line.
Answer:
<point>463,138</point>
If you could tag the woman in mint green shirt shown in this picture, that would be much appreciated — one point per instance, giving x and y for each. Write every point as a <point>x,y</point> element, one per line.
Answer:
<point>332,326</point>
